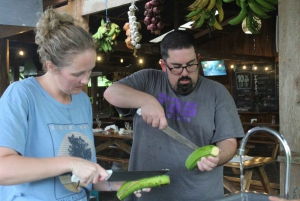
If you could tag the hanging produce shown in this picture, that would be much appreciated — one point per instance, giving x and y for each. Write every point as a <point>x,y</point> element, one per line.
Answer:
<point>202,11</point>
<point>106,36</point>
<point>132,30</point>
<point>152,16</point>
<point>251,13</point>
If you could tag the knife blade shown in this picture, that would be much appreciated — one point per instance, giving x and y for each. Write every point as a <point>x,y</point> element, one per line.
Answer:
<point>127,175</point>
<point>175,135</point>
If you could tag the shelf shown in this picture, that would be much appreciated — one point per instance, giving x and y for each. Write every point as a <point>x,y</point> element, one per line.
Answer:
<point>260,124</point>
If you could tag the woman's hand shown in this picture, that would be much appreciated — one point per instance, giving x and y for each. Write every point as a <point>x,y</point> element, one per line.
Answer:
<point>138,193</point>
<point>87,171</point>
<point>274,198</point>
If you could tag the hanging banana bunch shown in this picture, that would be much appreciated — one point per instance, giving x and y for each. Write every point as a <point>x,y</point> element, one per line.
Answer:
<point>202,11</point>
<point>106,36</point>
<point>251,13</point>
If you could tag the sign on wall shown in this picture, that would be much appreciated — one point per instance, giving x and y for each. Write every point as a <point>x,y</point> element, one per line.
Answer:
<point>255,79</point>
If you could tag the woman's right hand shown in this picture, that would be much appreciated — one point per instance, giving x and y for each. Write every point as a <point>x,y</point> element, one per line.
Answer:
<point>88,171</point>
<point>274,198</point>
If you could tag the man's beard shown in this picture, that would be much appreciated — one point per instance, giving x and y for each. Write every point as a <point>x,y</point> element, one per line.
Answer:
<point>184,89</point>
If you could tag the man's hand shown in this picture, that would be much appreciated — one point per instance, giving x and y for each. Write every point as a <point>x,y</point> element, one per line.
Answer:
<point>208,164</point>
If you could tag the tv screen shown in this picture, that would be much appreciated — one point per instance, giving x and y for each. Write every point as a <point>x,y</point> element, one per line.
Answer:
<point>213,68</point>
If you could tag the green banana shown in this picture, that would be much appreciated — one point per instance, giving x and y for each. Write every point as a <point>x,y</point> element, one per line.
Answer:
<point>193,13</point>
<point>249,23</point>
<point>238,3</point>
<point>205,15</point>
<point>111,31</point>
<point>273,2</point>
<point>199,22</point>
<point>256,8</point>
<point>211,5</point>
<point>228,1</point>
<point>101,30</point>
<point>130,186</point>
<point>261,17</point>
<point>102,22</point>
<point>266,5</point>
<point>212,19</point>
<point>195,156</point>
<point>242,14</point>
<point>194,18</point>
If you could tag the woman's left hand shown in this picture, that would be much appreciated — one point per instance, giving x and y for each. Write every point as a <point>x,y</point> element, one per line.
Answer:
<point>138,193</point>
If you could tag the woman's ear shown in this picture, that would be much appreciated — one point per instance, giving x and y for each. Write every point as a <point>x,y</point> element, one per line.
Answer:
<point>163,65</point>
<point>49,66</point>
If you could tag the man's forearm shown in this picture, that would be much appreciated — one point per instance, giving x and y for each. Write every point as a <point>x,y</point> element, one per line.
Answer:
<point>227,150</point>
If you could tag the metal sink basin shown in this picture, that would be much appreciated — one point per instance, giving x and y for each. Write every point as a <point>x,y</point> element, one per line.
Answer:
<point>247,196</point>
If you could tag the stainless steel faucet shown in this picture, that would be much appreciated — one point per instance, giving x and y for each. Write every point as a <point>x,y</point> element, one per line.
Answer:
<point>285,146</point>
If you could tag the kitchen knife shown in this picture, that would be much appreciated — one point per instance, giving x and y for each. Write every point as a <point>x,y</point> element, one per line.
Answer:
<point>175,135</point>
<point>128,175</point>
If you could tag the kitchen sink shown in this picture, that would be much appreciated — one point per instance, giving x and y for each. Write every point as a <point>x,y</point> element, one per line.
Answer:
<point>246,196</point>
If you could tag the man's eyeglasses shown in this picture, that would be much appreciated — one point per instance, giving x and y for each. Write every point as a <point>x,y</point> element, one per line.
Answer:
<point>178,70</point>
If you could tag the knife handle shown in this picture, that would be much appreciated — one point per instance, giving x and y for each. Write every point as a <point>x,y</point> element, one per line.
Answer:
<point>76,179</point>
<point>139,111</point>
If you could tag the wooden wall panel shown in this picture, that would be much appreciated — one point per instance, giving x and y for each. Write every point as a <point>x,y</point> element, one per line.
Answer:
<point>4,54</point>
<point>238,42</point>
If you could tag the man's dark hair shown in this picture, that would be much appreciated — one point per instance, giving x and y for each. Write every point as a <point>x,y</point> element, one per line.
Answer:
<point>175,40</point>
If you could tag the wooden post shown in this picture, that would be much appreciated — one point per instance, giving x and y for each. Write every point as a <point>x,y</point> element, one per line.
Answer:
<point>4,65</point>
<point>289,108</point>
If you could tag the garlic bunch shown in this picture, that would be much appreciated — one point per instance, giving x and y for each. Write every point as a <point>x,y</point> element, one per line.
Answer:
<point>132,30</point>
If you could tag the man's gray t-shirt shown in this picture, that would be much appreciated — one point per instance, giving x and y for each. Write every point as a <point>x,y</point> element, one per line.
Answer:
<point>205,116</point>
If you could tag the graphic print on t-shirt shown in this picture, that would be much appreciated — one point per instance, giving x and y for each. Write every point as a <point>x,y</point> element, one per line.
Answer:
<point>70,140</point>
<point>176,109</point>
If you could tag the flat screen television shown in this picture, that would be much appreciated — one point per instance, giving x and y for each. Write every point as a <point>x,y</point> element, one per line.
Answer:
<point>214,68</point>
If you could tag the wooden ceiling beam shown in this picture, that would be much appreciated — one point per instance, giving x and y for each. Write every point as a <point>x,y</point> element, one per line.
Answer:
<point>93,6</point>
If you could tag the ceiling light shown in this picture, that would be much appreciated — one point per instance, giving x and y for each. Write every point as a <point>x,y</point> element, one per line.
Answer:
<point>98,58</point>
<point>121,60</point>
<point>21,53</point>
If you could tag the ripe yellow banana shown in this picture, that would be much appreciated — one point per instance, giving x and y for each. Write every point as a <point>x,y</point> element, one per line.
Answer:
<point>219,6</point>
<point>130,186</point>
<point>194,5</point>
<point>217,25</point>
<point>195,156</point>
<point>211,5</point>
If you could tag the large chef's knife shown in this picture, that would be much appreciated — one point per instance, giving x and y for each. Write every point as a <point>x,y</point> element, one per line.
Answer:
<point>175,135</point>
<point>128,175</point>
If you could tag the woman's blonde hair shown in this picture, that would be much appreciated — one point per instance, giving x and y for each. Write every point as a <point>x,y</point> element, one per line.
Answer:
<point>59,39</point>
